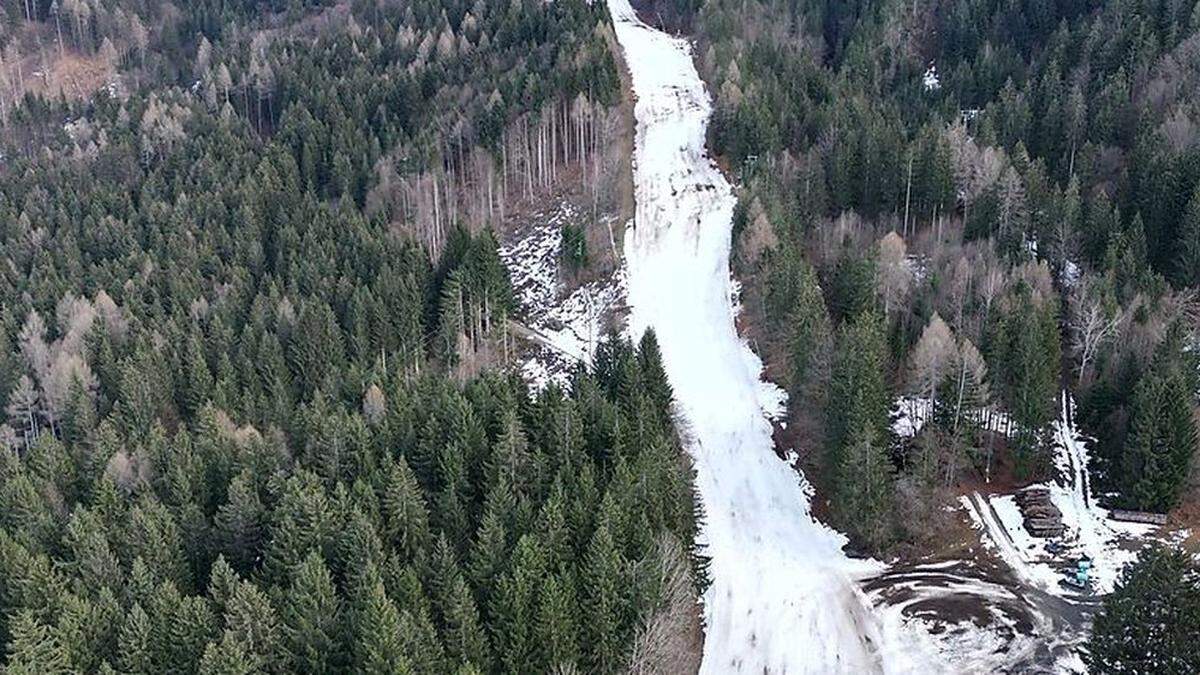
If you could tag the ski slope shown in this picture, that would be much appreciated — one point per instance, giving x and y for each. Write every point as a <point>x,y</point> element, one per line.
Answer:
<point>784,596</point>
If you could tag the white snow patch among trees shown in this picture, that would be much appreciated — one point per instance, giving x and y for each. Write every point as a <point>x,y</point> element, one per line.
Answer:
<point>567,327</point>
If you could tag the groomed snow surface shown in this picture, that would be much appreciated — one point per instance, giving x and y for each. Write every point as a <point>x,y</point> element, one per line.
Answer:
<point>784,596</point>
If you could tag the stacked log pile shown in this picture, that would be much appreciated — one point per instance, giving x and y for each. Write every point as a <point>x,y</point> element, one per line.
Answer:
<point>1042,517</point>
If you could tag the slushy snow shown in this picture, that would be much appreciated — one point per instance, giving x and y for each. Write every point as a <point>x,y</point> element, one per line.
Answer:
<point>784,596</point>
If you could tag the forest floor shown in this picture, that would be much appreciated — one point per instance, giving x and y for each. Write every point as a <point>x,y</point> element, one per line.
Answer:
<point>42,69</point>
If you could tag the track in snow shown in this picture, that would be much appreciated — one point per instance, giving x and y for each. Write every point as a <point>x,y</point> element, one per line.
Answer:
<point>784,598</point>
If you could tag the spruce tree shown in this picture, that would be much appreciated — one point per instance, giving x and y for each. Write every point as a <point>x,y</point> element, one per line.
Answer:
<point>134,642</point>
<point>238,523</point>
<point>311,619</point>
<point>405,514</point>
<point>1188,242</point>
<point>464,636</point>
<point>858,425</point>
<point>227,657</point>
<point>253,626</point>
<point>33,648</point>
<point>511,606</point>
<point>557,624</point>
<point>602,602</point>
<point>1150,621</point>
<point>377,642</point>
<point>1162,439</point>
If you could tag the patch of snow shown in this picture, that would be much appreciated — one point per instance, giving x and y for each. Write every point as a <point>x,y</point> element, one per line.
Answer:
<point>784,596</point>
<point>567,328</point>
<point>1071,273</point>
<point>930,79</point>
<point>909,414</point>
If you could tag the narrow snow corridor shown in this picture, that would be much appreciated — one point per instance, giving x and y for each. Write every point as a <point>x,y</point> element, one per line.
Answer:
<point>784,596</point>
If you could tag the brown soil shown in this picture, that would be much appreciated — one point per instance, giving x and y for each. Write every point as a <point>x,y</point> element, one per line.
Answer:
<point>1187,516</point>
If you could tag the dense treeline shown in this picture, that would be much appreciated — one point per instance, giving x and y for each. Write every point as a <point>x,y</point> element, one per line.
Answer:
<point>436,109</point>
<point>437,528</point>
<point>1005,190</point>
<point>248,425</point>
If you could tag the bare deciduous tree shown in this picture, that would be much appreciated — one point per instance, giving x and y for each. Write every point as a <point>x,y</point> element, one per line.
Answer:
<point>374,406</point>
<point>1093,321</point>
<point>932,359</point>
<point>895,275</point>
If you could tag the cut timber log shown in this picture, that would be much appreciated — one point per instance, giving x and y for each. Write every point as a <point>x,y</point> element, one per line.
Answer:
<point>1042,517</point>
<point>1138,517</point>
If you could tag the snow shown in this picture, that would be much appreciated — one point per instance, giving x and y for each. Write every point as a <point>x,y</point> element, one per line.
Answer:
<point>909,414</point>
<point>784,597</point>
<point>567,327</point>
<point>930,80</point>
<point>1071,273</point>
<point>1088,531</point>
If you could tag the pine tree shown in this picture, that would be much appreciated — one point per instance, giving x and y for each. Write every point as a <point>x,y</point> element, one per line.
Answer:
<point>405,515</point>
<point>311,614</point>
<point>603,604</point>
<point>33,649</point>
<point>1149,623</point>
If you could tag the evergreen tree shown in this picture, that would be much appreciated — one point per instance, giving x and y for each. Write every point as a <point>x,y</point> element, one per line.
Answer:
<point>1162,439</point>
<point>134,643</point>
<point>33,649</point>
<point>557,624</point>
<point>378,631</point>
<point>238,523</point>
<point>1150,621</point>
<point>466,642</point>
<point>1188,243</point>
<point>405,515</point>
<point>252,625</point>
<point>311,619</point>
<point>602,602</point>
<point>858,428</point>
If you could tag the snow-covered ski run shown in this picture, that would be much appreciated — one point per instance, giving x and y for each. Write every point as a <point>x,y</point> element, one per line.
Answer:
<point>784,596</point>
